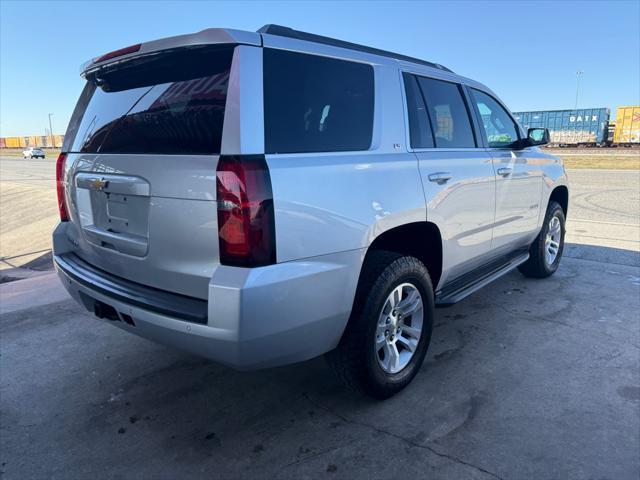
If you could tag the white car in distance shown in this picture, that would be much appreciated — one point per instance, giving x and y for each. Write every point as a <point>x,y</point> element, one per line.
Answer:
<point>33,152</point>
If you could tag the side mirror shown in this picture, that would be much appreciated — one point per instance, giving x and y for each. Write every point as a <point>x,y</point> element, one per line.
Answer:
<point>537,136</point>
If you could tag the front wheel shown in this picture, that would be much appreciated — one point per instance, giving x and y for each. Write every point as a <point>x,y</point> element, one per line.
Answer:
<point>389,331</point>
<point>546,250</point>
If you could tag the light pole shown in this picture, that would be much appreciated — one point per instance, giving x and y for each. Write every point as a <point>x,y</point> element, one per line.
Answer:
<point>578,74</point>
<point>53,143</point>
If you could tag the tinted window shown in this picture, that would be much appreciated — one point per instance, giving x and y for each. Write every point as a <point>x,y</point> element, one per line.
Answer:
<point>448,114</point>
<point>172,103</point>
<point>316,104</point>
<point>77,116</point>
<point>419,128</point>
<point>499,128</point>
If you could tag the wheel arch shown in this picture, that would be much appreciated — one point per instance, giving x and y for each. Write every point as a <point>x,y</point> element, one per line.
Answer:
<point>560,194</point>
<point>418,239</point>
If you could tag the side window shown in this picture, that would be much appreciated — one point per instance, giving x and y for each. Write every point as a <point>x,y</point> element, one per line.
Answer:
<point>448,114</point>
<point>419,128</point>
<point>316,104</point>
<point>500,129</point>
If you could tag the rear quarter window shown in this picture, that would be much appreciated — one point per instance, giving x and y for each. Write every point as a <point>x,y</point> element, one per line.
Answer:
<point>448,113</point>
<point>172,103</point>
<point>420,132</point>
<point>316,104</point>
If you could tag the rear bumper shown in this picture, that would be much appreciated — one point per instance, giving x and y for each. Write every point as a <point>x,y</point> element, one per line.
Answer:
<point>73,268</point>
<point>255,318</point>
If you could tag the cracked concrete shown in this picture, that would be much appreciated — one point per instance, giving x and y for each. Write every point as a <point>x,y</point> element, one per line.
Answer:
<point>524,379</point>
<point>408,441</point>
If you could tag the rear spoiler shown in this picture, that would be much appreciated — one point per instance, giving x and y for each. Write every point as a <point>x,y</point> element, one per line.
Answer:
<point>210,36</point>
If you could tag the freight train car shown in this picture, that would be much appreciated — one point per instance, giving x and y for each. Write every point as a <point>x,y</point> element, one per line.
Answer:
<point>582,127</point>
<point>46,141</point>
<point>627,129</point>
<point>33,141</point>
<point>14,142</point>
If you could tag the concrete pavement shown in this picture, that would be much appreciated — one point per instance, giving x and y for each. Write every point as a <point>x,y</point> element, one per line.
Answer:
<point>28,209</point>
<point>524,379</point>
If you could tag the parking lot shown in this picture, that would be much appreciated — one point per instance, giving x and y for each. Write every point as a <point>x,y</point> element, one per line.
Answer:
<point>524,379</point>
<point>27,207</point>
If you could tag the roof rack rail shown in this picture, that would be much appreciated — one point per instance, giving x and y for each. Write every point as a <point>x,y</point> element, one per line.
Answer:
<point>281,31</point>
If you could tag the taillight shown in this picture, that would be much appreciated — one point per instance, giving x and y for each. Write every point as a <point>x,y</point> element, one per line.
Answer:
<point>246,225</point>
<point>118,53</point>
<point>62,203</point>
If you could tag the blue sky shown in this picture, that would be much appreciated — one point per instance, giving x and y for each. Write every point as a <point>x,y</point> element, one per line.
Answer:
<point>527,52</point>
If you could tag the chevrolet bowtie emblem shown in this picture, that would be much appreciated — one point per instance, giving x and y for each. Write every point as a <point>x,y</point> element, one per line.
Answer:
<point>98,183</point>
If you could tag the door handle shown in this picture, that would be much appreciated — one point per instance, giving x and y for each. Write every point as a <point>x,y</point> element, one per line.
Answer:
<point>440,178</point>
<point>505,171</point>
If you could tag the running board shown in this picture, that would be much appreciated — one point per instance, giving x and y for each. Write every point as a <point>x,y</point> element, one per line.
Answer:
<point>471,283</point>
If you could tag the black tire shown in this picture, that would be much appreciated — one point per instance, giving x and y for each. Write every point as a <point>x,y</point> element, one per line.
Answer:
<point>355,360</point>
<point>537,266</point>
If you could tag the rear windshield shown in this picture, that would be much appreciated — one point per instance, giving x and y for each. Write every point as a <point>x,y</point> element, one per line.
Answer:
<point>172,103</point>
<point>316,104</point>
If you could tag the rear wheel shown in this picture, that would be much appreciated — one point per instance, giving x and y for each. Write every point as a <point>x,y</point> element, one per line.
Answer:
<point>546,250</point>
<point>389,331</point>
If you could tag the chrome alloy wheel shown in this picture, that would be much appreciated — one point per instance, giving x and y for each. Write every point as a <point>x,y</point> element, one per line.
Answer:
<point>399,328</point>
<point>552,240</point>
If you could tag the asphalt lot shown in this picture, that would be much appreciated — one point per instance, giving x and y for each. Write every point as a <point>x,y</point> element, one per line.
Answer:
<point>28,208</point>
<point>604,208</point>
<point>525,379</point>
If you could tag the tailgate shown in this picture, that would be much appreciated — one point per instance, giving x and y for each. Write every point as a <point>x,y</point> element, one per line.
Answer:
<point>143,146</point>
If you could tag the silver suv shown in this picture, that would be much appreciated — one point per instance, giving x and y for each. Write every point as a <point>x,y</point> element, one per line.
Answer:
<point>264,198</point>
